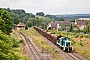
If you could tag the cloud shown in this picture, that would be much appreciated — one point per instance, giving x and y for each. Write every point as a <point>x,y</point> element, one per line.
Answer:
<point>49,6</point>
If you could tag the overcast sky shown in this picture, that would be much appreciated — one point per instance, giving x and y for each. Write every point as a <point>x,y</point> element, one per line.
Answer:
<point>48,6</point>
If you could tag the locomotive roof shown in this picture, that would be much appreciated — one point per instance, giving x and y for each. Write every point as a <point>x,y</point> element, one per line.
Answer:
<point>59,36</point>
<point>67,39</point>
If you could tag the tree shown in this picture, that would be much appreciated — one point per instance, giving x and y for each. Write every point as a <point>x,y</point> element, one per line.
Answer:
<point>15,17</point>
<point>87,28</point>
<point>7,20</point>
<point>71,28</point>
<point>61,19</point>
<point>32,15</point>
<point>30,22</point>
<point>18,15</point>
<point>40,13</point>
<point>63,27</point>
<point>53,17</point>
<point>73,20</point>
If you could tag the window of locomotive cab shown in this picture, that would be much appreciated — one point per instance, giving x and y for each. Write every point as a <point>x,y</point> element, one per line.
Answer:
<point>65,38</point>
<point>67,44</point>
<point>58,40</point>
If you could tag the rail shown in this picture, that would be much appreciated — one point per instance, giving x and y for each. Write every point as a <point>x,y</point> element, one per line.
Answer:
<point>36,55</point>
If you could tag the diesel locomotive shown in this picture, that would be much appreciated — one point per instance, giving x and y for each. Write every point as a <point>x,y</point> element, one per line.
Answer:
<point>63,42</point>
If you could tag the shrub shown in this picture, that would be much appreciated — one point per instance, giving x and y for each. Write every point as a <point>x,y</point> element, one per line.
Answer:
<point>72,42</point>
<point>81,36</point>
<point>6,50</point>
<point>15,43</point>
<point>21,41</point>
<point>76,36</point>
<point>81,44</point>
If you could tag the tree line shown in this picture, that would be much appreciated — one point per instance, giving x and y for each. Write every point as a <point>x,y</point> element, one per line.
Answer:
<point>19,15</point>
<point>6,43</point>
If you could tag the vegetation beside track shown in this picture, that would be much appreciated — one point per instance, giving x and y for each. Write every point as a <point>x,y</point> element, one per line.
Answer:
<point>41,42</point>
<point>18,45</point>
<point>80,42</point>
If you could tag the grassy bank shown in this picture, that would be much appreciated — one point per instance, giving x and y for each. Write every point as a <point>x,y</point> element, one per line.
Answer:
<point>41,42</point>
<point>18,46</point>
<point>80,42</point>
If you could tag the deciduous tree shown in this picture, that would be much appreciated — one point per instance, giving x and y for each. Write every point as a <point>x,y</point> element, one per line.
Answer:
<point>7,20</point>
<point>87,28</point>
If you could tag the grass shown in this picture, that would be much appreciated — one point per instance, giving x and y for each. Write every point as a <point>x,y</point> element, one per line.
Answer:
<point>81,42</point>
<point>41,42</point>
<point>19,50</point>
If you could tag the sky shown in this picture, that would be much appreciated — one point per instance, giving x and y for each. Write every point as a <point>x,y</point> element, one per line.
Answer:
<point>54,7</point>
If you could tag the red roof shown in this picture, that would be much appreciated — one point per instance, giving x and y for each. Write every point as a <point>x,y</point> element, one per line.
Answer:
<point>53,24</point>
<point>20,24</point>
<point>80,23</point>
<point>67,23</point>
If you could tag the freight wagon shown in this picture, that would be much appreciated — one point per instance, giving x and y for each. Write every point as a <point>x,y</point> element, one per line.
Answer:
<point>63,42</point>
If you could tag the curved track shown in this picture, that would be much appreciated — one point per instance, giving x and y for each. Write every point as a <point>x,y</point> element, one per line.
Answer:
<point>33,51</point>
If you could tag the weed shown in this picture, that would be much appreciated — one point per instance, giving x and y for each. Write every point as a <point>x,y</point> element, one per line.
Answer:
<point>84,52</point>
<point>20,41</point>
<point>81,44</point>
<point>76,36</point>
<point>72,42</point>
<point>81,36</point>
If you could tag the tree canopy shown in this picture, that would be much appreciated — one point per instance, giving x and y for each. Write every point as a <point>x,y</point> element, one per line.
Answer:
<point>40,13</point>
<point>87,28</point>
<point>6,23</point>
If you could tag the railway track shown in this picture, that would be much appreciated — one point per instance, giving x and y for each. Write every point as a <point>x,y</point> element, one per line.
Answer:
<point>32,51</point>
<point>75,57</point>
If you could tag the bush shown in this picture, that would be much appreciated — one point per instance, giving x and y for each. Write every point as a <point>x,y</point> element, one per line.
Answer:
<point>81,44</point>
<point>72,42</point>
<point>21,41</point>
<point>15,43</point>
<point>6,50</point>
<point>81,36</point>
<point>76,36</point>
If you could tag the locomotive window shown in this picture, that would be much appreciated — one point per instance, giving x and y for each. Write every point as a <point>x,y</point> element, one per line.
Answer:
<point>67,43</point>
<point>58,40</point>
<point>65,38</point>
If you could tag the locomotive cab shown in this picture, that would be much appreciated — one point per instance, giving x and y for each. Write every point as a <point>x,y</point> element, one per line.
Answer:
<point>64,43</point>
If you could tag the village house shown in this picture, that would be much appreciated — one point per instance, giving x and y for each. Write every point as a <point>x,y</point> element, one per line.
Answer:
<point>56,25</point>
<point>81,24</point>
<point>52,25</point>
<point>20,26</point>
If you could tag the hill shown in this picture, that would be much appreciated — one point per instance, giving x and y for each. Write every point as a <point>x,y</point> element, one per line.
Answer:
<point>73,16</point>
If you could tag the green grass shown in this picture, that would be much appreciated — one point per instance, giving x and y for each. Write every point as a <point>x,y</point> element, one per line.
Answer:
<point>41,42</point>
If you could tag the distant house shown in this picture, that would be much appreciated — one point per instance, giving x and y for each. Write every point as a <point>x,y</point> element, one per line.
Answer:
<point>52,25</point>
<point>56,25</point>
<point>80,24</point>
<point>21,26</point>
